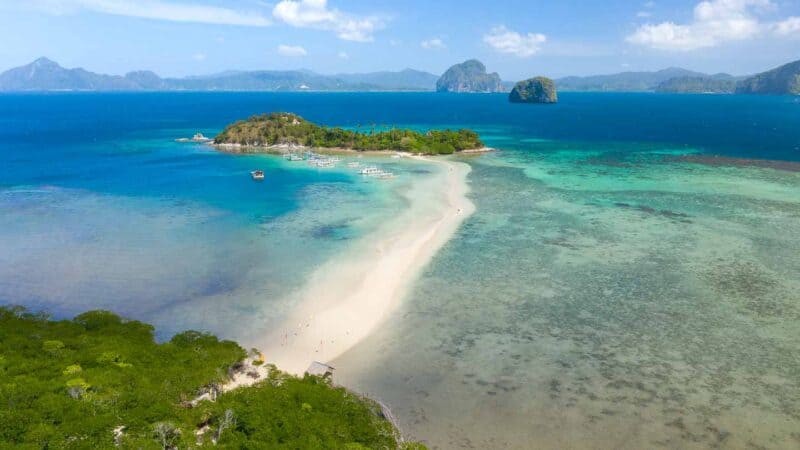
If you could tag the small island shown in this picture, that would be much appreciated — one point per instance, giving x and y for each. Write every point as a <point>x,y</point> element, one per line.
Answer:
<point>534,90</point>
<point>469,76</point>
<point>275,131</point>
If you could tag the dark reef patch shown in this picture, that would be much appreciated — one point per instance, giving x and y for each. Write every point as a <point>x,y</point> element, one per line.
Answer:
<point>335,231</point>
<point>661,212</point>
<point>717,161</point>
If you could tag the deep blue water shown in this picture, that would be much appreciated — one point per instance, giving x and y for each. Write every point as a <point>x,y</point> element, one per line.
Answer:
<point>122,143</point>
<point>600,296</point>
<point>36,129</point>
<point>121,146</point>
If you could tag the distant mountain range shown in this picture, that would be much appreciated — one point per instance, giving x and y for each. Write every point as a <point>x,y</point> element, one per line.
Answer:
<point>46,75</point>
<point>632,81</point>
<point>697,85</point>
<point>470,76</point>
<point>782,80</point>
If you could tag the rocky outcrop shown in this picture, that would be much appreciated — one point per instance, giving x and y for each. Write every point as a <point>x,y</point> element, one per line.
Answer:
<point>534,90</point>
<point>469,76</point>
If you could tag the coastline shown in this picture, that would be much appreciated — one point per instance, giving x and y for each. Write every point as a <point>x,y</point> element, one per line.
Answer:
<point>349,297</point>
<point>282,149</point>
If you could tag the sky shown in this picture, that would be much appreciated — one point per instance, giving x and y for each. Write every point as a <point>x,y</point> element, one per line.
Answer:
<point>516,38</point>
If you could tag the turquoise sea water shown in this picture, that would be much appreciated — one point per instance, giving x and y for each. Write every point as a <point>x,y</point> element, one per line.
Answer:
<point>608,292</point>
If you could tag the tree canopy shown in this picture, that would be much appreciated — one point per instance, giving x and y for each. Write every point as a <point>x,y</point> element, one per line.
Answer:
<point>286,128</point>
<point>100,381</point>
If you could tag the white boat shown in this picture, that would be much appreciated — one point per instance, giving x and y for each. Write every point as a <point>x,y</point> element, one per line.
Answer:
<point>293,157</point>
<point>376,172</point>
<point>257,175</point>
<point>321,162</point>
<point>198,137</point>
<point>371,171</point>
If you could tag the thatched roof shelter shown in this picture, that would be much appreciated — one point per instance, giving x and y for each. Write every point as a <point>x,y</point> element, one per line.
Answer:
<point>320,369</point>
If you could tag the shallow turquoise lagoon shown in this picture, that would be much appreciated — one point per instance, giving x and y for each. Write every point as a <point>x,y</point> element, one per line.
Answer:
<point>609,292</point>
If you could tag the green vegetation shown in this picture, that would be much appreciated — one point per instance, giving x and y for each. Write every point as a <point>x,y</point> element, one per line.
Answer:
<point>287,128</point>
<point>780,81</point>
<point>534,90</point>
<point>99,381</point>
<point>697,85</point>
<point>469,76</point>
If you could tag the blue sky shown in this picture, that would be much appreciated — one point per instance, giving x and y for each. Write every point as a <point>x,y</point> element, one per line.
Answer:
<point>515,38</point>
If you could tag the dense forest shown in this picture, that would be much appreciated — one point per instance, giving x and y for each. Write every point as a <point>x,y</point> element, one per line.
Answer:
<point>779,81</point>
<point>99,381</point>
<point>286,128</point>
<point>697,85</point>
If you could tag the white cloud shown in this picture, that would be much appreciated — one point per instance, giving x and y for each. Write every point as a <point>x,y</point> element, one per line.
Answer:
<point>504,40</point>
<point>157,10</point>
<point>343,55</point>
<point>644,14</point>
<point>199,57</point>
<point>316,14</point>
<point>433,44</point>
<point>788,27</point>
<point>292,50</point>
<point>714,22</point>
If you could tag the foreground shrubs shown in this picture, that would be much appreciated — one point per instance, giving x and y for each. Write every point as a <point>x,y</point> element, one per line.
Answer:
<point>99,381</point>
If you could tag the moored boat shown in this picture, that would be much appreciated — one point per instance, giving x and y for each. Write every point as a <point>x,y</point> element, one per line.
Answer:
<point>257,175</point>
<point>293,157</point>
<point>376,172</point>
<point>198,137</point>
<point>371,171</point>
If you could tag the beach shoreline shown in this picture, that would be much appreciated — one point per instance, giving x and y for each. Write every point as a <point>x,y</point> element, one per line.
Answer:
<point>283,149</point>
<point>348,298</point>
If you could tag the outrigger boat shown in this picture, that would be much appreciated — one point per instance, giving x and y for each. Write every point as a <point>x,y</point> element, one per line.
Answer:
<point>371,171</point>
<point>257,175</point>
<point>321,162</point>
<point>376,172</point>
<point>198,137</point>
<point>293,157</point>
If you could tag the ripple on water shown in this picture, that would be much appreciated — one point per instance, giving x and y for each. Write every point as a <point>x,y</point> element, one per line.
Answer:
<point>589,305</point>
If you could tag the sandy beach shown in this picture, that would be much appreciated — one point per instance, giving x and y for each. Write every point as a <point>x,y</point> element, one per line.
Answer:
<point>346,299</point>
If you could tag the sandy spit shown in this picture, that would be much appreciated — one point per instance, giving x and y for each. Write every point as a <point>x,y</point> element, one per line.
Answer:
<point>349,297</point>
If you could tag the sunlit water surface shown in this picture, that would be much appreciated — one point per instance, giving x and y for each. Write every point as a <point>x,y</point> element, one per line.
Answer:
<point>607,293</point>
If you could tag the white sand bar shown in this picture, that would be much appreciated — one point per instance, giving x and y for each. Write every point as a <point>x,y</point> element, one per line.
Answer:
<point>347,298</point>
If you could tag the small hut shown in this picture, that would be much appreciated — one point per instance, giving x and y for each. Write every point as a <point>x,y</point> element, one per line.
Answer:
<point>320,369</point>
